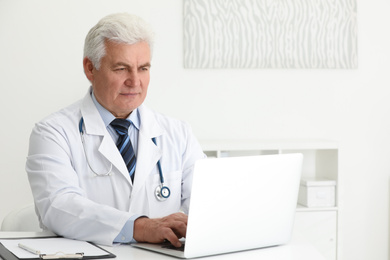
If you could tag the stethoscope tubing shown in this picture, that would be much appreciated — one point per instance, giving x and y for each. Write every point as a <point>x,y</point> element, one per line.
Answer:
<point>108,173</point>
<point>162,192</point>
<point>159,165</point>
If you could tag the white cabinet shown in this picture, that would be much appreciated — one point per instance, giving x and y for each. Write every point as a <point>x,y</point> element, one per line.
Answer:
<point>320,229</point>
<point>318,225</point>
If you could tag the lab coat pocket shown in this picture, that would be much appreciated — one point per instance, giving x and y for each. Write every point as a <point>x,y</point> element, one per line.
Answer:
<point>172,204</point>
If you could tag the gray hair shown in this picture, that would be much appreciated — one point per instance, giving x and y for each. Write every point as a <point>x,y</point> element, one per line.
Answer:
<point>120,28</point>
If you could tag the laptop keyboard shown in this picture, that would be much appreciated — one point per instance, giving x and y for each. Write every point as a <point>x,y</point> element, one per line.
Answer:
<point>170,246</point>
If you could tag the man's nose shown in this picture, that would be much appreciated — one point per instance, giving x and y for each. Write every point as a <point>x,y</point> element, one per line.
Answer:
<point>132,80</point>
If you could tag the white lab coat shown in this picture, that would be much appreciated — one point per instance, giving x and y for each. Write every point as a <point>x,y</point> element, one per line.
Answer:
<point>72,202</point>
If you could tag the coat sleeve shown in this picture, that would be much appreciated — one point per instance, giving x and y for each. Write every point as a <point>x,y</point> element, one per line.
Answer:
<point>61,204</point>
<point>193,152</point>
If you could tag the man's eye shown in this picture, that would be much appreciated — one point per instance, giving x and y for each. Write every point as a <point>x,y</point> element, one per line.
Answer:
<point>120,69</point>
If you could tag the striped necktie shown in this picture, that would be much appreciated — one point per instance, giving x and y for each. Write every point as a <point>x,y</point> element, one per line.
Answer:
<point>121,126</point>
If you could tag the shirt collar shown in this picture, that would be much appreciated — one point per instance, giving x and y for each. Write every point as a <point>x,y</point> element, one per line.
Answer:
<point>108,117</point>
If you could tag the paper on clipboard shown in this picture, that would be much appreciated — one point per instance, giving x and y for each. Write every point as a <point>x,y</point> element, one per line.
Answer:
<point>55,247</point>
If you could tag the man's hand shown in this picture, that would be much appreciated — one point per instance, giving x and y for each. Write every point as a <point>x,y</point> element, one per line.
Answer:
<point>157,230</point>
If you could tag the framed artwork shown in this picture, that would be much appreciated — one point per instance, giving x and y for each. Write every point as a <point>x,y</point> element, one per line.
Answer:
<point>296,34</point>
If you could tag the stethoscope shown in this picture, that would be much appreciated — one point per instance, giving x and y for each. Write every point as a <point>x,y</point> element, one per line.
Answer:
<point>162,192</point>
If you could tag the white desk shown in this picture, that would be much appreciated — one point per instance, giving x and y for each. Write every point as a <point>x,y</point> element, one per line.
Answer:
<point>296,250</point>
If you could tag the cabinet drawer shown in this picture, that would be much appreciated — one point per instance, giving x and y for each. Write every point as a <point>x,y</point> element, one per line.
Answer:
<point>320,229</point>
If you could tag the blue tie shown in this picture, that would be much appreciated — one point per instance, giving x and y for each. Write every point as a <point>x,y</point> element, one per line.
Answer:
<point>121,126</point>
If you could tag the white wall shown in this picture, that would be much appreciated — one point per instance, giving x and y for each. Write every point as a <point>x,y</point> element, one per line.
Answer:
<point>41,45</point>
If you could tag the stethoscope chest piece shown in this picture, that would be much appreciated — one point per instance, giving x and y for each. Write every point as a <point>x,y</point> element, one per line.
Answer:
<point>162,192</point>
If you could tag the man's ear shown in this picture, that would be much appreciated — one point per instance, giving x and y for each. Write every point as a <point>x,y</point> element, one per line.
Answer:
<point>88,68</point>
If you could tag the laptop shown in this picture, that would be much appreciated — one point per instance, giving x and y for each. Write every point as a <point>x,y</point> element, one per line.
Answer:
<point>239,203</point>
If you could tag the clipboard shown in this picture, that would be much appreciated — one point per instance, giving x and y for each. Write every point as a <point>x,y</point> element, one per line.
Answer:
<point>8,250</point>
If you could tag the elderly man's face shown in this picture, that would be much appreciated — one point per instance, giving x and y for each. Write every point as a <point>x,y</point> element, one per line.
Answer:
<point>121,83</point>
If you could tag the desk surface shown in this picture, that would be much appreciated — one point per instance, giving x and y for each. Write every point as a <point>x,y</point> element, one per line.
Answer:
<point>295,250</point>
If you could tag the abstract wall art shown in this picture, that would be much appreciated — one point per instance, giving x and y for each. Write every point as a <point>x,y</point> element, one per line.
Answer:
<point>299,34</point>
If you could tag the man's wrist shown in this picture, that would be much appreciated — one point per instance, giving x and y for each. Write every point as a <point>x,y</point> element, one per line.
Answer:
<point>139,229</point>
<point>127,232</point>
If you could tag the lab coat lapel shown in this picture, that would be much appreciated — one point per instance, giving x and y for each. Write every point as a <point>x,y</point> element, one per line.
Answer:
<point>109,150</point>
<point>148,153</point>
<point>94,126</point>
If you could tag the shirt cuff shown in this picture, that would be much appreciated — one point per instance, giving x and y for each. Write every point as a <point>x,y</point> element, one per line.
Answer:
<point>126,234</point>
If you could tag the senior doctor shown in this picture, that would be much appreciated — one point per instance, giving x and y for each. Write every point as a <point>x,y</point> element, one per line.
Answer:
<point>81,185</point>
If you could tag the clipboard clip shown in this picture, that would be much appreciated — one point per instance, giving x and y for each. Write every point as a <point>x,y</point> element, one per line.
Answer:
<point>61,255</point>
